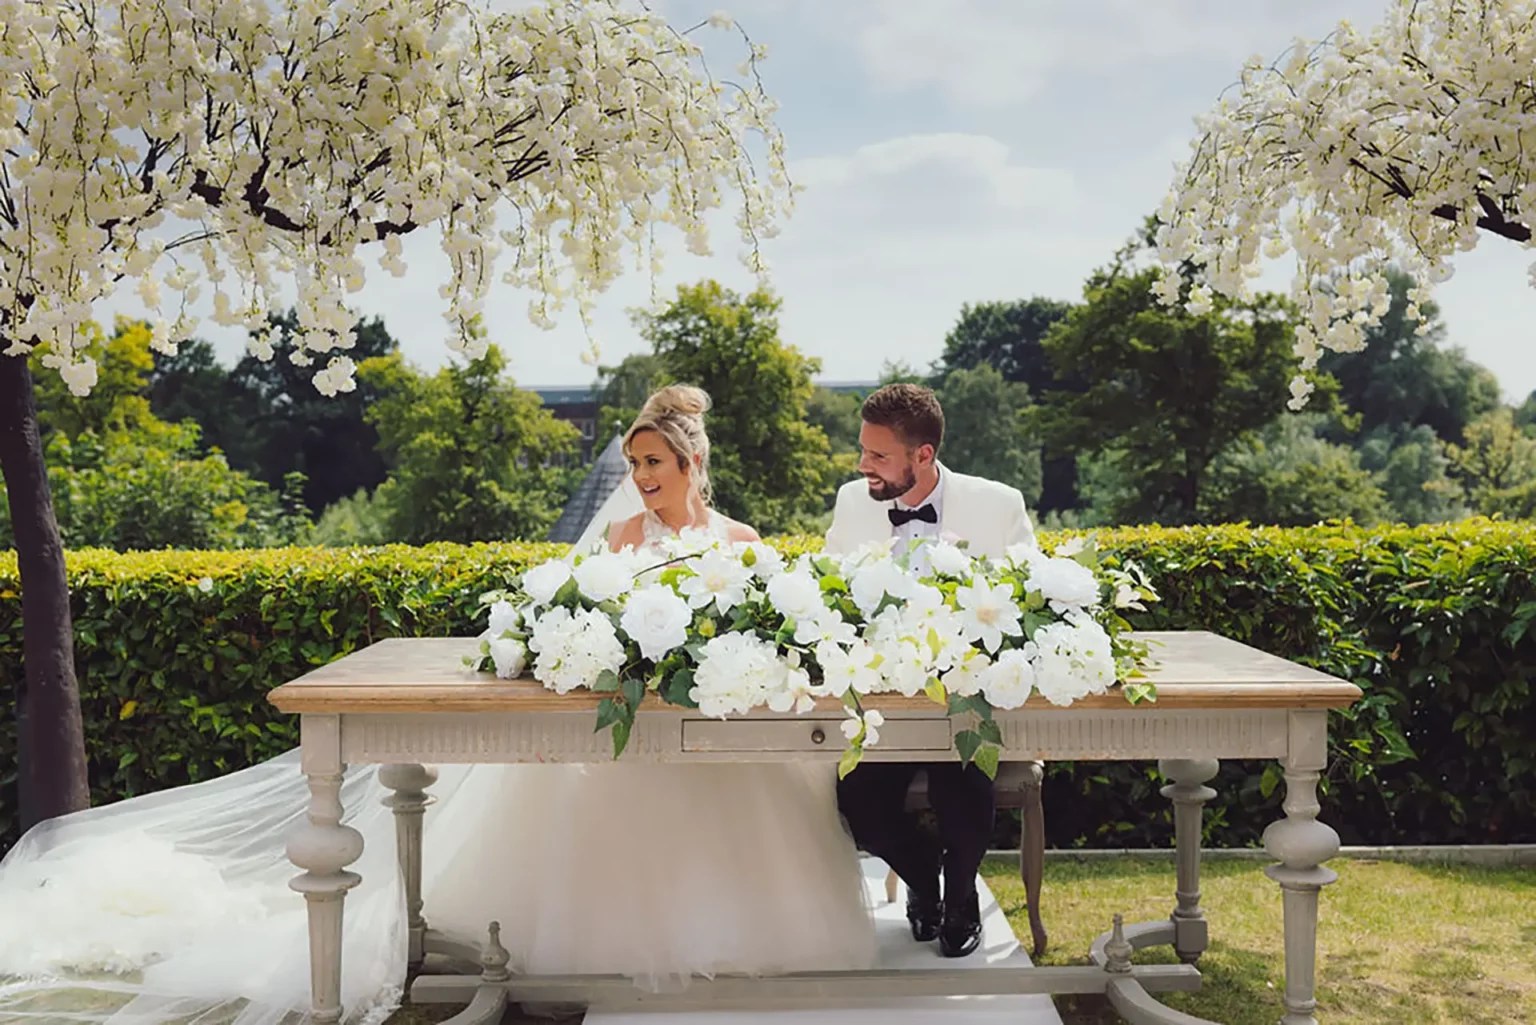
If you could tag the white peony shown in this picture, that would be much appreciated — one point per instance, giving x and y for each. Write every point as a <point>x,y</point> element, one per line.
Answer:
<point>719,577</point>
<point>1073,659</point>
<point>509,655</point>
<point>988,613</point>
<point>1009,680</point>
<point>605,576</point>
<point>544,581</point>
<point>1065,583</point>
<point>737,673</point>
<point>657,620</point>
<point>574,648</point>
<point>796,595</point>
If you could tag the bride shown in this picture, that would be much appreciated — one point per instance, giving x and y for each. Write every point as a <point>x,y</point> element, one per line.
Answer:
<point>175,905</point>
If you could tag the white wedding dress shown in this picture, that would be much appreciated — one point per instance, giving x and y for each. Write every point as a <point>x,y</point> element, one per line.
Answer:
<point>175,906</point>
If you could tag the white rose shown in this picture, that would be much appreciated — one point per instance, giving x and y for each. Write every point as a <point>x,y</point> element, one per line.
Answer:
<point>1009,680</point>
<point>1064,583</point>
<point>604,577</point>
<point>510,657</point>
<point>875,581</point>
<point>656,619</point>
<point>504,618</point>
<point>796,595</point>
<point>949,561</point>
<point>544,581</point>
<point>574,648</point>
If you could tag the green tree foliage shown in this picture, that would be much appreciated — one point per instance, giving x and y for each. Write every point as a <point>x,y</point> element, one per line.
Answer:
<point>1285,475</point>
<point>271,420</point>
<point>985,432</point>
<point>1525,414</point>
<point>769,466</point>
<point>1166,388</point>
<point>1008,336</point>
<point>1412,467</point>
<point>837,414</point>
<point>470,454</point>
<point>1497,466</point>
<point>1402,379</point>
<point>124,479</point>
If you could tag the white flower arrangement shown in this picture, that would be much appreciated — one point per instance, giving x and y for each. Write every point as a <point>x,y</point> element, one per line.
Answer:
<point>729,628</point>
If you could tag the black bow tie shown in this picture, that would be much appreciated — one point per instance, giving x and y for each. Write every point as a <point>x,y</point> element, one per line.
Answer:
<point>925,513</point>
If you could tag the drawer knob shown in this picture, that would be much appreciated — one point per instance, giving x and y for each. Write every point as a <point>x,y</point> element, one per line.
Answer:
<point>817,736</point>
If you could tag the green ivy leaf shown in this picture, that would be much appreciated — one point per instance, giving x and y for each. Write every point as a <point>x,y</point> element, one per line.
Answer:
<point>634,691</point>
<point>620,736</point>
<point>609,712</point>
<point>849,761</point>
<point>607,681</point>
<point>989,731</point>
<point>966,743</point>
<point>987,758</point>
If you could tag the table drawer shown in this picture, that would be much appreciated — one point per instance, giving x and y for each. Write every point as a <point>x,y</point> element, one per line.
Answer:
<point>807,734</point>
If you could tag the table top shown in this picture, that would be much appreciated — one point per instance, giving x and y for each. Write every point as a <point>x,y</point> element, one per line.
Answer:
<point>1192,669</point>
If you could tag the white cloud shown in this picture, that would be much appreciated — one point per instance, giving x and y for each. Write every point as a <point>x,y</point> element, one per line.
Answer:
<point>968,157</point>
<point>986,52</point>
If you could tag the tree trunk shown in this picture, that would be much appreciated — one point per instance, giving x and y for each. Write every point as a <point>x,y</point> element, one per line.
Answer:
<point>51,738</point>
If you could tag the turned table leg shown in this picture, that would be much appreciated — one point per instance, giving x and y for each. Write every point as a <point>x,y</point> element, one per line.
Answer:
<point>408,799</point>
<point>1188,793</point>
<point>1301,844</point>
<point>323,848</point>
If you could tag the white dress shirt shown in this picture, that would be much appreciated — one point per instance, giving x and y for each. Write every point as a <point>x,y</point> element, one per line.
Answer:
<point>917,530</point>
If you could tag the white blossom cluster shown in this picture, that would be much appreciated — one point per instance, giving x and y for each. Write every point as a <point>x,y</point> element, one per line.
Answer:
<point>547,142</point>
<point>1401,145</point>
<point>747,630</point>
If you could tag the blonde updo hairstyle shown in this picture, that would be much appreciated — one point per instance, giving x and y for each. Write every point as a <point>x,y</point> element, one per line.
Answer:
<point>676,412</point>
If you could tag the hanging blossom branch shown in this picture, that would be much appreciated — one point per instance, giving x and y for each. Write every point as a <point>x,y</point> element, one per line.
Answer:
<point>1400,146</point>
<point>292,134</point>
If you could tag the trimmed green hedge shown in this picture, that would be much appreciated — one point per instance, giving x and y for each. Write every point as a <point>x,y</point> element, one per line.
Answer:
<point>177,651</point>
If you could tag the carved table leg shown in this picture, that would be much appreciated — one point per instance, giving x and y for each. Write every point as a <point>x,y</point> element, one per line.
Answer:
<point>1032,855</point>
<point>408,799</point>
<point>1188,793</point>
<point>323,848</point>
<point>1302,844</point>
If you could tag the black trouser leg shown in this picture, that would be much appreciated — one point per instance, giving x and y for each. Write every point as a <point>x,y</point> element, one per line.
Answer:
<point>873,798</point>
<point>964,801</point>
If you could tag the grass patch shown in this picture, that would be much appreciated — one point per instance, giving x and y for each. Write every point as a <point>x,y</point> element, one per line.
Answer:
<point>1432,945</point>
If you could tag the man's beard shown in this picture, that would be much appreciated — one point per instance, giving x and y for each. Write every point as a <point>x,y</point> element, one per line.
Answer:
<point>887,490</point>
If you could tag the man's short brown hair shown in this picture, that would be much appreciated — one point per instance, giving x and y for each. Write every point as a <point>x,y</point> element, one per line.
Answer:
<point>911,411</point>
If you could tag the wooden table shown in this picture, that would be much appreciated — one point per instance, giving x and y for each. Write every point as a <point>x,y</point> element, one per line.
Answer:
<point>407,703</point>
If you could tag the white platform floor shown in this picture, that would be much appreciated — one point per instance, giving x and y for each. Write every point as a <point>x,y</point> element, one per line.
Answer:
<point>897,950</point>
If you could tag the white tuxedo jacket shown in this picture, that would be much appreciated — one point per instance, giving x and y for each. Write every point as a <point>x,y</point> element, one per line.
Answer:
<point>988,515</point>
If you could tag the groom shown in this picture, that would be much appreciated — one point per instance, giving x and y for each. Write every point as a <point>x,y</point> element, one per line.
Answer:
<point>909,496</point>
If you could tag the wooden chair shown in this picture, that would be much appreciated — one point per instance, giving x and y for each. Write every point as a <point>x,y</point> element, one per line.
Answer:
<point>1018,787</point>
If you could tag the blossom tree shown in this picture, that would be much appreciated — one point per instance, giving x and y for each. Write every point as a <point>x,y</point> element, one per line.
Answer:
<point>232,147</point>
<point>1402,145</point>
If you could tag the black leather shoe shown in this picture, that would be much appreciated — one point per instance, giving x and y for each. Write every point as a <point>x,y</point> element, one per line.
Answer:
<point>925,915</point>
<point>960,932</point>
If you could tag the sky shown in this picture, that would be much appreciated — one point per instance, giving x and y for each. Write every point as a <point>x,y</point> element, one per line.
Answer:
<point>954,151</point>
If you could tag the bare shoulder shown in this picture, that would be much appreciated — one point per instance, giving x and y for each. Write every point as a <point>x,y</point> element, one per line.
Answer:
<point>628,533</point>
<point>739,532</point>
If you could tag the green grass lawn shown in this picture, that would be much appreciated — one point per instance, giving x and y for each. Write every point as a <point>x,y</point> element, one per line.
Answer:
<point>1397,943</point>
